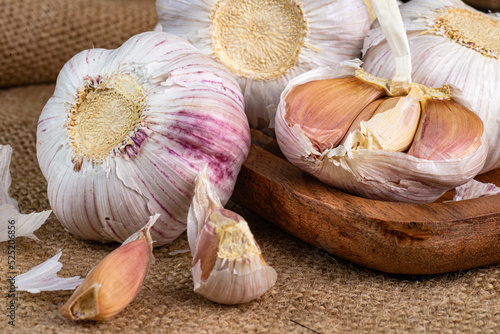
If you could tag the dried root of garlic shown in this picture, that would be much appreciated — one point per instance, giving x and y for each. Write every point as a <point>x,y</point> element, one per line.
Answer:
<point>228,266</point>
<point>115,281</point>
<point>379,138</point>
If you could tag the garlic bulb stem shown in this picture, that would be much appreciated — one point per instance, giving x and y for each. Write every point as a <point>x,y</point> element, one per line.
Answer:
<point>390,20</point>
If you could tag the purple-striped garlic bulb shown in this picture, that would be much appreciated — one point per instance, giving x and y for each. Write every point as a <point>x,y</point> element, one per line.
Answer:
<point>128,130</point>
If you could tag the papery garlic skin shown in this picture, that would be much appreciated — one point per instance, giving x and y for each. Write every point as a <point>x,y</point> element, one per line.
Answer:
<point>266,43</point>
<point>376,174</point>
<point>43,277</point>
<point>13,223</point>
<point>164,110</point>
<point>228,267</point>
<point>442,55</point>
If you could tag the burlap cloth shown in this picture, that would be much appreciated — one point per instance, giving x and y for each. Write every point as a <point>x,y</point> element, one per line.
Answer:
<point>315,292</point>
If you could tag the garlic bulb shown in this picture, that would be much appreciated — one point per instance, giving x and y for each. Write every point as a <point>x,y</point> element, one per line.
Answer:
<point>454,44</point>
<point>382,139</point>
<point>127,131</point>
<point>228,266</point>
<point>265,43</point>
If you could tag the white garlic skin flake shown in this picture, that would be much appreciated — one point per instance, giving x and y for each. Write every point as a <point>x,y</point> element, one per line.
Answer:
<point>127,130</point>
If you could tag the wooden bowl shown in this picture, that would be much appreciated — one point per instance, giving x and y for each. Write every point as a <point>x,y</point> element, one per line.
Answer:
<point>387,236</point>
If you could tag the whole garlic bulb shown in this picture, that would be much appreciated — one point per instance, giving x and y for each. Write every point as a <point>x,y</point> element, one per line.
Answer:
<point>127,130</point>
<point>454,44</point>
<point>265,43</point>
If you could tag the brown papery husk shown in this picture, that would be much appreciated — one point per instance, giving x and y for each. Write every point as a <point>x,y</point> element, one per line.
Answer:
<point>376,174</point>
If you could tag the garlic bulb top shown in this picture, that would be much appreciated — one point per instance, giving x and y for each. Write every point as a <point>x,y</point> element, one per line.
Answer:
<point>265,43</point>
<point>127,131</point>
<point>454,44</point>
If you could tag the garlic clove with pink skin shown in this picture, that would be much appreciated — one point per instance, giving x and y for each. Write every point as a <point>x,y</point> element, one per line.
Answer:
<point>127,130</point>
<point>228,266</point>
<point>115,281</point>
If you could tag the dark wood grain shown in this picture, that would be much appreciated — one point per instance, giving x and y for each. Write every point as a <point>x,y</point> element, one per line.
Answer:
<point>388,236</point>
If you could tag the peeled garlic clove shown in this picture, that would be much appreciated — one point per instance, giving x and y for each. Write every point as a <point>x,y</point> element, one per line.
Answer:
<point>451,44</point>
<point>115,281</point>
<point>228,266</point>
<point>265,43</point>
<point>447,130</point>
<point>325,109</point>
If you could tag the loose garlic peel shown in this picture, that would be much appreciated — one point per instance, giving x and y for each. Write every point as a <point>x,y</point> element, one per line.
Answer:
<point>373,161</point>
<point>228,266</point>
<point>115,281</point>
<point>451,44</point>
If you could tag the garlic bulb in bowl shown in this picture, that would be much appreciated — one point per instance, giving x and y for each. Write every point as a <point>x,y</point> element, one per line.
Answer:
<point>265,43</point>
<point>127,130</point>
<point>382,139</point>
<point>451,43</point>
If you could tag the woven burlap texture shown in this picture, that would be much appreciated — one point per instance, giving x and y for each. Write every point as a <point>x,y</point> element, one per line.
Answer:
<point>38,36</point>
<point>315,292</point>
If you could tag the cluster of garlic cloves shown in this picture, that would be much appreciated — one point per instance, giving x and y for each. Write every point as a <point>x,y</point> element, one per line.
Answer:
<point>451,44</point>
<point>115,281</point>
<point>378,138</point>
<point>228,266</point>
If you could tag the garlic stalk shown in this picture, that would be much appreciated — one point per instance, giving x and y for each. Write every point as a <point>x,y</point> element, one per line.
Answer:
<point>453,44</point>
<point>228,266</point>
<point>14,224</point>
<point>265,43</point>
<point>115,281</point>
<point>380,138</point>
<point>43,277</point>
<point>127,130</point>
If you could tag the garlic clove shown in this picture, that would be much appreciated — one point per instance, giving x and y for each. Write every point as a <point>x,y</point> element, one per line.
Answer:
<point>447,130</point>
<point>392,126</point>
<point>326,122</point>
<point>115,281</point>
<point>228,266</point>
